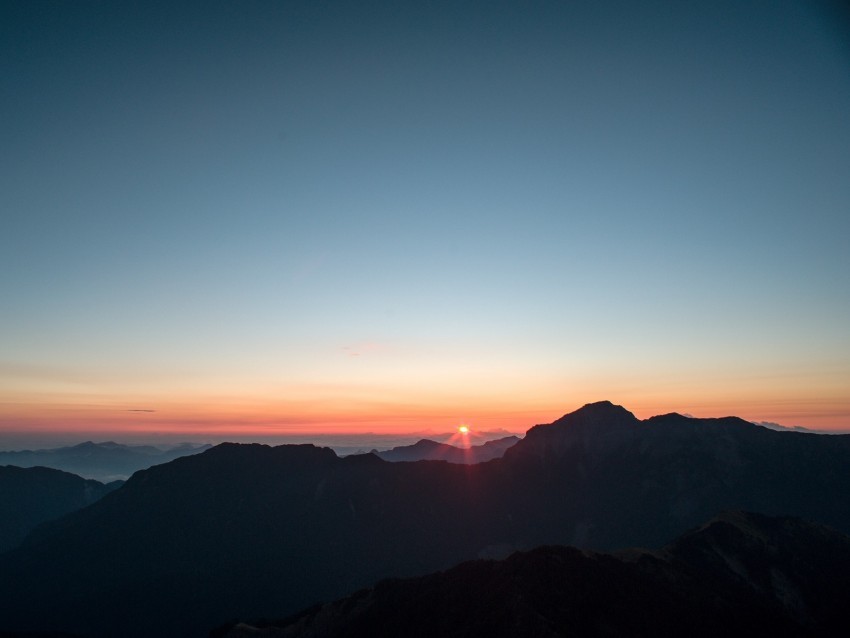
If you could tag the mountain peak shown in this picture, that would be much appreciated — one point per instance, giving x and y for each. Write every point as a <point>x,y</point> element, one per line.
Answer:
<point>602,409</point>
<point>594,415</point>
<point>428,450</point>
<point>593,424</point>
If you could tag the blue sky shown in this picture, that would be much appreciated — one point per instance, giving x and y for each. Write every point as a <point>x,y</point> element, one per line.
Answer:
<point>293,212</point>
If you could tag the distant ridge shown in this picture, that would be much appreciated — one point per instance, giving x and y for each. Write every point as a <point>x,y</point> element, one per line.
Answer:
<point>251,531</point>
<point>427,450</point>
<point>106,461</point>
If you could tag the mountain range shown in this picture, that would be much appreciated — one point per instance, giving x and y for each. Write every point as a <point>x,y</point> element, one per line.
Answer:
<point>428,450</point>
<point>251,531</point>
<point>106,461</point>
<point>740,573</point>
<point>31,496</point>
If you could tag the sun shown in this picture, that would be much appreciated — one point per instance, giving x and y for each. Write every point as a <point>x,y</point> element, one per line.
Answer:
<point>463,429</point>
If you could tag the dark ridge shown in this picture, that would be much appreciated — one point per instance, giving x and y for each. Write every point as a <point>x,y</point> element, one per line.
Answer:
<point>594,424</point>
<point>35,495</point>
<point>740,574</point>
<point>427,450</point>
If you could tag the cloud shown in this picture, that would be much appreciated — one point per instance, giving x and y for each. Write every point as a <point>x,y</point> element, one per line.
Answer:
<point>784,428</point>
<point>794,428</point>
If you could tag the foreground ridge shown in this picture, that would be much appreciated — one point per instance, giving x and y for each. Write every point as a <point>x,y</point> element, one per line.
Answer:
<point>741,572</point>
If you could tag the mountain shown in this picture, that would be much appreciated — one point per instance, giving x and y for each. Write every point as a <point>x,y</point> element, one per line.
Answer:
<point>600,470</point>
<point>31,496</point>
<point>739,574</point>
<point>427,450</point>
<point>107,461</point>
<point>251,531</point>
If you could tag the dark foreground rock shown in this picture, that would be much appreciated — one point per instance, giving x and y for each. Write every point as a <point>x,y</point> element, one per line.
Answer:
<point>740,574</point>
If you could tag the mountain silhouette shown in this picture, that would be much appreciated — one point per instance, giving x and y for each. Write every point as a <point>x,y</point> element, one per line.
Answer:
<point>739,574</point>
<point>106,461</point>
<point>31,496</point>
<point>251,531</point>
<point>427,450</point>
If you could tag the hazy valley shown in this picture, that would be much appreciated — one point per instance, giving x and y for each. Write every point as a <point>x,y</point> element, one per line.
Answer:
<point>106,461</point>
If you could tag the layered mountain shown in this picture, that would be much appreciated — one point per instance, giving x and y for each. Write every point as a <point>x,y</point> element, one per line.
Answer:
<point>106,461</point>
<point>427,450</point>
<point>31,496</point>
<point>250,531</point>
<point>740,574</point>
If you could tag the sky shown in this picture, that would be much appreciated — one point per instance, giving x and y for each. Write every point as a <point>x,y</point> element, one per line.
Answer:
<point>316,217</point>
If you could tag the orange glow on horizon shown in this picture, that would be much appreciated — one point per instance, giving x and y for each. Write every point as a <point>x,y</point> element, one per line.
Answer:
<point>334,410</point>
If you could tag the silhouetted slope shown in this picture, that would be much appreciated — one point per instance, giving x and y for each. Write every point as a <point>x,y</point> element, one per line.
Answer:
<point>600,470</point>
<point>800,566</point>
<point>741,574</point>
<point>239,529</point>
<point>427,450</point>
<point>31,496</point>
<point>252,531</point>
<point>105,461</point>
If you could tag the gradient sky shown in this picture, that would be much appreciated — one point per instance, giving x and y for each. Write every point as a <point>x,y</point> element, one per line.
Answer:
<point>388,216</point>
